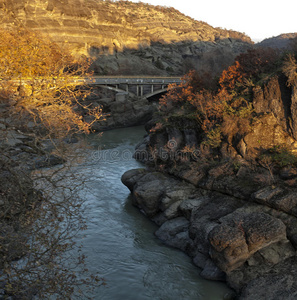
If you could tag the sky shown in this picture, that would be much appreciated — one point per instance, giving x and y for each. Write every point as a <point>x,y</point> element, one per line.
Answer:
<point>259,19</point>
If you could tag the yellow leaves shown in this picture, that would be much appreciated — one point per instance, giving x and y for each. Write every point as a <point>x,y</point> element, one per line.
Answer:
<point>28,54</point>
<point>39,76</point>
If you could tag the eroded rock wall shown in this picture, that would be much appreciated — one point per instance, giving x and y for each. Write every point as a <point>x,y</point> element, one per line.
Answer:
<point>111,31</point>
<point>237,239</point>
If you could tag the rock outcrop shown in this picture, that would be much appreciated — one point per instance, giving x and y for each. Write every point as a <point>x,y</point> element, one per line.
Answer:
<point>243,240</point>
<point>273,124</point>
<point>231,209</point>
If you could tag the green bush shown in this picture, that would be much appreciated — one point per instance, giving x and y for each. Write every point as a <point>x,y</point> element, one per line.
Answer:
<point>214,137</point>
<point>281,156</point>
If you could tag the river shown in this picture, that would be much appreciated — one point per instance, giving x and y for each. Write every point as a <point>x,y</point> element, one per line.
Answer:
<point>120,242</point>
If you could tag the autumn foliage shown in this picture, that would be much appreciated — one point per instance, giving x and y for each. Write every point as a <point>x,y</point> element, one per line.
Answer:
<point>208,105</point>
<point>40,211</point>
<point>225,110</point>
<point>38,80</point>
<point>232,76</point>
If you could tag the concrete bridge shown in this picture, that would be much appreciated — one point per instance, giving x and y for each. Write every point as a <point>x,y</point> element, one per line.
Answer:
<point>143,87</point>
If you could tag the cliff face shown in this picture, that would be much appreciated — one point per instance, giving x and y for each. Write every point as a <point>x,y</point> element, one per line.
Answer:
<point>89,23</point>
<point>234,213</point>
<point>99,28</point>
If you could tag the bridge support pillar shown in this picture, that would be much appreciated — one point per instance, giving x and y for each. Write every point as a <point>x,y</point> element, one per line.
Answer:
<point>139,91</point>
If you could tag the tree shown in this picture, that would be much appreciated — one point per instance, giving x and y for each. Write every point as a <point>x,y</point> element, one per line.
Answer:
<point>41,211</point>
<point>39,80</point>
<point>232,76</point>
<point>257,61</point>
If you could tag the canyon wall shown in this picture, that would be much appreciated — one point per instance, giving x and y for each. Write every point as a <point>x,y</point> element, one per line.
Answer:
<point>104,29</point>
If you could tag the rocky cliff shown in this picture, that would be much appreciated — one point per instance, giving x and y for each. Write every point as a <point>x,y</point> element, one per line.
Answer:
<point>103,29</point>
<point>232,210</point>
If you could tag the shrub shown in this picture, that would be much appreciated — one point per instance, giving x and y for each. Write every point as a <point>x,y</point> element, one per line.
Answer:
<point>230,77</point>
<point>280,155</point>
<point>213,137</point>
<point>41,216</point>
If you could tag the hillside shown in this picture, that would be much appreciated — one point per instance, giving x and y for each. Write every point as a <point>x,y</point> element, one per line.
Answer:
<point>89,23</point>
<point>281,41</point>
<point>101,28</point>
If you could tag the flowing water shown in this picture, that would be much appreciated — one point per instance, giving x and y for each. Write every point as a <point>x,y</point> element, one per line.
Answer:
<point>120,242</point>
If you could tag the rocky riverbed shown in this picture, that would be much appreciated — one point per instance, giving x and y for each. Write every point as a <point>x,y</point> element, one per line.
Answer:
<point>245,235</point>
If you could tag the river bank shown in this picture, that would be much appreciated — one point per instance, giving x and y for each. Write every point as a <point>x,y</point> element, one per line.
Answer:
<point>221,182</point>
<point>120,241</point>
<point>234,226</point>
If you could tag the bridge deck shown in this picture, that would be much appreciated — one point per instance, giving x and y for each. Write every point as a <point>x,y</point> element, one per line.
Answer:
<point>133,80</point>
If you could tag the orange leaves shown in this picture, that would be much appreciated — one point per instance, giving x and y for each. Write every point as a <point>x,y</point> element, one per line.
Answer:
<point>185,92</point>
<point>231,76</point>
<point>248,67</point>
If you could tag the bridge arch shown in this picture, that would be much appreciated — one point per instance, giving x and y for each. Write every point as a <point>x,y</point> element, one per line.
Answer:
<point>112,88</point>
<point>156,93</point>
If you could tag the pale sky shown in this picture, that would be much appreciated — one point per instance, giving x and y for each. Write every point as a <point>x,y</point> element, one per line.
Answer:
<point>259,19</point>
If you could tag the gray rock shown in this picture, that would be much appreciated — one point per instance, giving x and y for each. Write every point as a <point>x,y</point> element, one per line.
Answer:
<point>266,193</point>
<point>229,238</point>
<point>175,139</point>
<point>188,205</point>
<point>172,227</point>
<point>13,138</point>
<point>131,177</point>
<point>278,283</point>
<point>278,198</point>
<point>48,161</point>
<point>173,211</point>
<point>200,259</point>
<point>174,233</point>
<point>212,272</point>
<point>149,191</point>
<point>288,173</point>
<point>190,137</point>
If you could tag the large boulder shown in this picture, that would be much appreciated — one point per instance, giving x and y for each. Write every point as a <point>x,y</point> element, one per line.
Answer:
<point>156,194</point>
<point>243,240</point>
<point>124,111</point>
<point>175,233</point>
<point>241,234</point>
<point>279,283</point>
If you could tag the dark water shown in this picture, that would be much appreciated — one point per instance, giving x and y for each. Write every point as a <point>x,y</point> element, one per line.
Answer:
<point>120,242</point>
